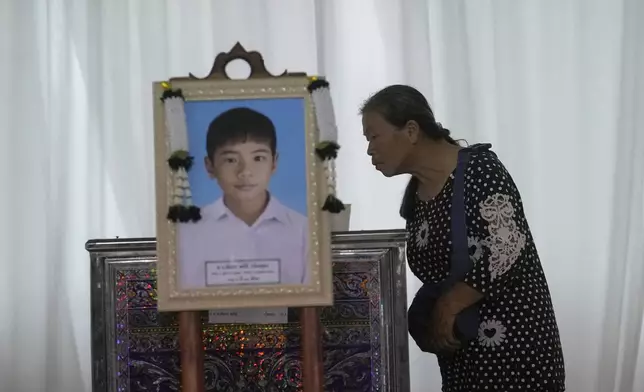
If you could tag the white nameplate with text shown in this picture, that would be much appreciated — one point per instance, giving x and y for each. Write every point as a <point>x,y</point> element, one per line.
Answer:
<point>248,316</point>
<point>242,272</point>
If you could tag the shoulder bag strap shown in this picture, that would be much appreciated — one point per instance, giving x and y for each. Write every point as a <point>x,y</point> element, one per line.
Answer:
<point>461,263</point>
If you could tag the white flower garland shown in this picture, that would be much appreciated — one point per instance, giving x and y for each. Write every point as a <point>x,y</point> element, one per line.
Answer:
<point>327,148</point>
<point>179,160</point>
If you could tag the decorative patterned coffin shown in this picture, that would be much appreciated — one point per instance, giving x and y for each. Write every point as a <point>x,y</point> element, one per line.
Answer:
<point>135,348</point>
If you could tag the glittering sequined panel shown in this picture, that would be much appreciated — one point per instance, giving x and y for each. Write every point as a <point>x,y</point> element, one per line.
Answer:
<point>251,358</point>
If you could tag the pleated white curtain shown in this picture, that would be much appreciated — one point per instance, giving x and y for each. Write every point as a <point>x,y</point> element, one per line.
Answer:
<point>554,85</point>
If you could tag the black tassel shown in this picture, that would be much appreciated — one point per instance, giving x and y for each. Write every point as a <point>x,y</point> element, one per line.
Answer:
<point>194,213</point>
<point>171,94</point>
<point>327,150</point>
<point>176,162</point>
<point>316,84</point>
<point>174,212</point>
<point>333,205</point>
<point>184,214</point>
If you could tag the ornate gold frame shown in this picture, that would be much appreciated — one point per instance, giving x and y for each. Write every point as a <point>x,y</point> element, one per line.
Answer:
<point>319,291</point>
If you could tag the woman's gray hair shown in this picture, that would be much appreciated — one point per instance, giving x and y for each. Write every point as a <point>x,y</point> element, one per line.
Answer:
<point>398,104</point>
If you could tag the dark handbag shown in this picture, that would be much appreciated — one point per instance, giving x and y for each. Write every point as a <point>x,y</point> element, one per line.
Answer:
<point>420,311</point>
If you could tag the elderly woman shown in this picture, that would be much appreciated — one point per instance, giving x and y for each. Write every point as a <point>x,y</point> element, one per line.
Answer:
<point>514,344</point>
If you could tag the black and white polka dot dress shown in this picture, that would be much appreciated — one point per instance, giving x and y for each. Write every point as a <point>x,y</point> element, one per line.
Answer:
<point>518,346</point>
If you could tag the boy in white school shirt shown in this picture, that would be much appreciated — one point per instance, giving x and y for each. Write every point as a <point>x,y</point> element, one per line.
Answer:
<point>247,224</point>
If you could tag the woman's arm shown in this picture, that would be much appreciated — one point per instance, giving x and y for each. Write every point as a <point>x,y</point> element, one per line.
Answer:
<point>458,298</point>
<point>498,232</point>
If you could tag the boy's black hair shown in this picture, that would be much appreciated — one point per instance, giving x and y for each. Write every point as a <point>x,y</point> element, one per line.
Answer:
<point>239,125</point>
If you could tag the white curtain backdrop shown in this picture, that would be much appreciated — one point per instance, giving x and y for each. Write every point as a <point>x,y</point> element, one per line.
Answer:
<point>555,85</point>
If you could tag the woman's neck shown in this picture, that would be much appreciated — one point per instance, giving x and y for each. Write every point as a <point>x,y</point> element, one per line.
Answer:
<point>432,163</point>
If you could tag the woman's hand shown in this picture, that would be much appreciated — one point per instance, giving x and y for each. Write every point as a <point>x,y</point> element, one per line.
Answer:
<point>442,327</point>
<point>445,310</point>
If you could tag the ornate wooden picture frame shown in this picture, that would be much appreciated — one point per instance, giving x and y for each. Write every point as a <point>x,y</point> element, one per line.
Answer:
<point>243,190</point>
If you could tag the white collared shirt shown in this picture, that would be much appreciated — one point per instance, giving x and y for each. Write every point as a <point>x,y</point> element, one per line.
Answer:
<point>279,233</point>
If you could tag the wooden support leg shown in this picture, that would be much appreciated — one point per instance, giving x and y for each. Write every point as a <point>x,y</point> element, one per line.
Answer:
<point>313,367</point>
<point>192,353</point>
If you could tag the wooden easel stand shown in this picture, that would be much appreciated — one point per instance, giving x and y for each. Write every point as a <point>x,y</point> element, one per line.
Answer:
<point>192,352</point>
<point>312,364</point>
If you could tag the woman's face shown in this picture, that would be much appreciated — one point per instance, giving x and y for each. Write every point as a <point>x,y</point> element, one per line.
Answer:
<point>388,145</point>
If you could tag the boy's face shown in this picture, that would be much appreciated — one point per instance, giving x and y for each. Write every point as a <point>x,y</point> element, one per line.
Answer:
<point>242,170</point>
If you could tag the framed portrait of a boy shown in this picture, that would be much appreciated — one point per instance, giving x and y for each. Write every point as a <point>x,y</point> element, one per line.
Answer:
<point>244,189</point>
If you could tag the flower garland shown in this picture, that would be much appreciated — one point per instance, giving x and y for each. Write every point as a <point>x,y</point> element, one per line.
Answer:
<point>327,147</point>
<point>181,209</point>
